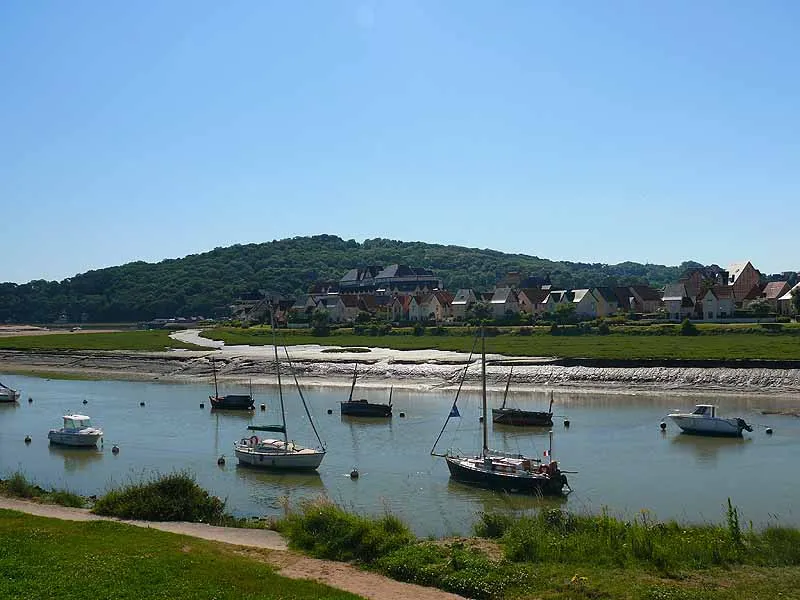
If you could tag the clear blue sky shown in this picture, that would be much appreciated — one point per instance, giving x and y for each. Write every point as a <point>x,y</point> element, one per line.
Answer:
<point>581,130</point>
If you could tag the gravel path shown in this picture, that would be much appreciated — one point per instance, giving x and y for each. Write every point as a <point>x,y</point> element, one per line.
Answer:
<point>255,542</point>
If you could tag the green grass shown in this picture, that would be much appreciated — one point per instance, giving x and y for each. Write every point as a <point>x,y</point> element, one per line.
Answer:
<point>557,555</point>
<point>170,497</point>
<point>154,340</point>
<point>715,342</point>
<point>18,486</point>
<point>46,558</point>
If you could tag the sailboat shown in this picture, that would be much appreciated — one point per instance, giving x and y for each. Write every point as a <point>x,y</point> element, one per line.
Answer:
<point>279,454</point>
<point>363,408</point>
<point>229,401</point>
<point>524,418</point>
<point>500,470</point>
<point>7,394</point>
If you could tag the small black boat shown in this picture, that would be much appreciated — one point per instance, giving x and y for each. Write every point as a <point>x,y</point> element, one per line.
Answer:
<point>363,408</point>
<point>229,401</point>
<point>522,418</point>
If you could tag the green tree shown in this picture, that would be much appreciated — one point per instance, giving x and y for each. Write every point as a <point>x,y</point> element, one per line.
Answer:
<point>796,300</point>
<point>565,313</point>
<point>320,322</point>
<point>760,308</point>
<point>480,311</point>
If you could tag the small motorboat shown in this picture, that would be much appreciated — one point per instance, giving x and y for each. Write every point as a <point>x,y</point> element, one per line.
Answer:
<point>77,431</point>
<point>363,407</point>
<point>7,394</point>
<point>704,421</point>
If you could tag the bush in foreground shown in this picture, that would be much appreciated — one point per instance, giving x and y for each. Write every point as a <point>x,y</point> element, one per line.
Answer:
<point>173,497</point>
<point>18,486</point>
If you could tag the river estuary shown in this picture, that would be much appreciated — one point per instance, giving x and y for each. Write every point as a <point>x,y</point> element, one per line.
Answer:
<point>623,461</point>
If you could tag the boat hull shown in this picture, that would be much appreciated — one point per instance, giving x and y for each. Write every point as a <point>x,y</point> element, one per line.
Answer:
<point>232,402</point>
<point>717,427</point>
<point>79,440</point>
<point>522,418</point>
<point>355,408</point>
<point>545,485</point>
<point>9,396</point>
<point>278,459</point>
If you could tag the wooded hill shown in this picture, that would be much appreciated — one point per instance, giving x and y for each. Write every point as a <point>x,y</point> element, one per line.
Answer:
<point>206,284</point>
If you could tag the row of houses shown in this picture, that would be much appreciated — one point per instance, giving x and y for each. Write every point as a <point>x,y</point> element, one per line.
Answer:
<point>711,293</point>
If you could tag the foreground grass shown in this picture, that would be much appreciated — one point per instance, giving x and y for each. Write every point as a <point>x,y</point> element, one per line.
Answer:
<point>624,343</point>
<point>18,486</point>
<point>556,555</point>
<point>46,558</point>
<point>154,340</point>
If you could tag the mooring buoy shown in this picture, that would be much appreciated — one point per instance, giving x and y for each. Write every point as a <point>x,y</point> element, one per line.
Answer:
<point>330,412</point>
<point>402,414</point>
<point>663,425</point>
<point>85,401</point>
<point>141,403</point>
<point>263,407</point>
<point>480,419</point>
<point>30,399</point>
<point>768,431</point>
<point>115,449</point>
<point>202,405</point>
<point>354,474</point>
<point>221,460</point>
<point>27,439</point>
<point>566,423</point>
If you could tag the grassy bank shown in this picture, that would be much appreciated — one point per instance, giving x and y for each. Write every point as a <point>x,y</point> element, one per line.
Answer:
<point>716,342</point>
<point>554,554</point>
<point>154,340</point>
<point>18,486</point>
<point>46,558</point>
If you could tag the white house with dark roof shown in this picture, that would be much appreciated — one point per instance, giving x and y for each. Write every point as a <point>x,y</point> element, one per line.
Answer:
<point>504,300</point>
<point>554,299</point>
<point>718,303</point>
<point>677,302</point>
<point>585,302</point>
<point>785,302</point>
<point>532,300</point>
<point>463,299</point>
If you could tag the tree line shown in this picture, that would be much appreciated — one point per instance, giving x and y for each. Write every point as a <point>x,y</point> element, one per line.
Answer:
<point>206,284</point>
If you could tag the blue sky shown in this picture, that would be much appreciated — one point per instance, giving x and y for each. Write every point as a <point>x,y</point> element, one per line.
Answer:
<point>588,131</point>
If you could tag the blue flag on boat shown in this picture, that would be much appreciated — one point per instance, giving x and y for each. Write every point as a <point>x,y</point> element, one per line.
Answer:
<point>454,411</point>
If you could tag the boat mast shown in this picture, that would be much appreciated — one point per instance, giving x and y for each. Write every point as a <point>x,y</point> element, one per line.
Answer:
<point>278,370</point>
<point>508,383</point>
<point>483,384</point>
<point>214,370</point>
<point>353,386</point>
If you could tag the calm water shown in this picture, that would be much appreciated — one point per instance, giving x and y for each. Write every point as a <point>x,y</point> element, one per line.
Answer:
<point>624,462</point>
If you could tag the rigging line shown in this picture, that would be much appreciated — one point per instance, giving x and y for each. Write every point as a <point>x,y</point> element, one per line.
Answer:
<point>460,383</point>
<point>300,391</point>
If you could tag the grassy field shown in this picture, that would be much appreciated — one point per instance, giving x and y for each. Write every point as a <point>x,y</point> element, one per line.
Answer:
<point>558,555</point>
<point>154,340</point>
<point>46,558</point>
<point>625,342</point>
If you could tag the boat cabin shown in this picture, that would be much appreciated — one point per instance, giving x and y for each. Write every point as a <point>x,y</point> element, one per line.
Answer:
<point>77,422</point>
<point>705,410</point>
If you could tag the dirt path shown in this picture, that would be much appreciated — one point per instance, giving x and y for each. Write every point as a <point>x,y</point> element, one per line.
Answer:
<point>261,544</point>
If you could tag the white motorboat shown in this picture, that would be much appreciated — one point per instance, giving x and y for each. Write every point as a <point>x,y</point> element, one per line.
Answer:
<point>279,454</point>
<point>77,431</point>
<point>704,421</point>
<point>7,394</point>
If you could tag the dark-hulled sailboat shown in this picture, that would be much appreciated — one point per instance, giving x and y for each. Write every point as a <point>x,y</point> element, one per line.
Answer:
<point>229,401</point>
<point>506,415</point>
<point>500,470</point>
<point>363,408</point>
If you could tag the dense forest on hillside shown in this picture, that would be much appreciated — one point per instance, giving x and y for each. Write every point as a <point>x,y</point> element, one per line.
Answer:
<point>206,284</point>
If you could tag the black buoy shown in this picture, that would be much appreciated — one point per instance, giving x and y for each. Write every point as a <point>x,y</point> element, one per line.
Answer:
<point>768,431</point>
<point>402,414</point>
<point>221,460</point>
<point>141,403</point>
<point>566,423</point>
<point>30,399</point>
<point>330,412</point>
<point>263,407</point>
<point>354,474</point>
<point>85,401</point>
<point>115,449</point>
<point>663,425</point>
<point>480,419</point>
<point>27,439</point>
<point>202,405</point>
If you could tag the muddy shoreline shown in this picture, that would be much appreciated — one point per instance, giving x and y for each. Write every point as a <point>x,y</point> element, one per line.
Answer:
<point>424,370</point>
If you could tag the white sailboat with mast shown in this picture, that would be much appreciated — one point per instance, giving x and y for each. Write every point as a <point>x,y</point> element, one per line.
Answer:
<point>279,454</point>
<point>500,470</point>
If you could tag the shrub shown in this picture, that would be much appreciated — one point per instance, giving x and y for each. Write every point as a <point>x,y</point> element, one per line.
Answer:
<point>772,327</point>
<point>688,328</point>
<point>492,524</point>
<point>325,530</point>
<point>603,328</point>
<point>173,497</point>
<point>419,329</point>
<point>439,330</point>
<point>525,331</point>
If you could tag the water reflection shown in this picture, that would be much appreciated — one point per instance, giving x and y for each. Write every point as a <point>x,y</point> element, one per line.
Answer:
<point>706,450</point>
<point>490,501</point>
<point>76,459</point>
<point>287,481</point>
